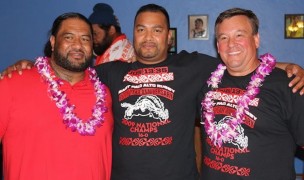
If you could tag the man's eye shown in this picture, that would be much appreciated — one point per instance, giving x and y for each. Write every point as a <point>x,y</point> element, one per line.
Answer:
<point>158,30</point>
<point>68,37</point>
<point>86,39</point>
<point>222,38</point>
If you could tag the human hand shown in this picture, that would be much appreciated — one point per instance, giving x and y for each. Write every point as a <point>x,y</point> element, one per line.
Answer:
<point>18,66</point>
<point>298,81</point>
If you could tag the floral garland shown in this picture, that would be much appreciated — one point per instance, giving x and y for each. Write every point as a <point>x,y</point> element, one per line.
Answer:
<point>66,109</point>
<point>220,135</point>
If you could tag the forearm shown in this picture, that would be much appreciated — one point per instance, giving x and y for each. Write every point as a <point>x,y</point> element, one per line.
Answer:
<point>293,70</point>
<point>282,65</point>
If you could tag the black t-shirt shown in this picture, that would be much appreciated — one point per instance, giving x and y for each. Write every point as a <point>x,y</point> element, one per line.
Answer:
<point>273,127</point>
<point>154,109</point>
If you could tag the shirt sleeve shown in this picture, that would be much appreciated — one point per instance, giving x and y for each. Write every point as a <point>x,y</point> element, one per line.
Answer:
<point>5,104</point>
<point>103,71</point>
<point>297,118</point>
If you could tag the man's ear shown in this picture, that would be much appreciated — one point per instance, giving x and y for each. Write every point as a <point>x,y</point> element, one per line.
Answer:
<point>169,36</point>
<point>257,40</point>
<point>112,30</point>
<point>52,41</point>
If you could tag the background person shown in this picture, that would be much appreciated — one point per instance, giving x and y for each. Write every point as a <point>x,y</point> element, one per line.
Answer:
<point>109,42</point>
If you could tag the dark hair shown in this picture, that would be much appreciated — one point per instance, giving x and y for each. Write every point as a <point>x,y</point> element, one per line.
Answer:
<point>236,12</point>
<point>199,20</point>
<point>153,8</point>
<point>56,27</point>
<point>58,21</point>
<point>106,27</point>
<point>47,50</point>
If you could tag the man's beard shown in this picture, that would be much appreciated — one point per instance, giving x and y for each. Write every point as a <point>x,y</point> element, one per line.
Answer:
<point>101,47</point>
<point>65,63</point>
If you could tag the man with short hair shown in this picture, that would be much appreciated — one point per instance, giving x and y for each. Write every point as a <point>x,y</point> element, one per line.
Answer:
<point>251,119</point>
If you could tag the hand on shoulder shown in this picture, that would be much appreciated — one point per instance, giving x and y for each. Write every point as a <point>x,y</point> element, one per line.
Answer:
<point>18,66</point>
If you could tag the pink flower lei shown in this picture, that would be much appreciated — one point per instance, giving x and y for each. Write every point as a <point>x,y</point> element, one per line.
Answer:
<point>220,135</point>
<point>66,109</point>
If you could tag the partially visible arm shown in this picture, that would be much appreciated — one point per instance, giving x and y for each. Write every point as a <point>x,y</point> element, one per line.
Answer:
<point>198,144</point>
<point>18,66</point>
<point>293,69</point>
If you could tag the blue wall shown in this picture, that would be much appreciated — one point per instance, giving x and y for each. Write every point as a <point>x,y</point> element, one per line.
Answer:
<point>24,25</point>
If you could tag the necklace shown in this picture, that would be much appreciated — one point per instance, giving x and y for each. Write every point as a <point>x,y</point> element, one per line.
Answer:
<point>222,134</point>
<point>66,109</point>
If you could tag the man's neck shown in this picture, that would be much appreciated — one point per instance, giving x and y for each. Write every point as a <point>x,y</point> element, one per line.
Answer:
<point>151,61</point>
<point>69,76</point>
<point>115,36</point>
<point>245,70</point>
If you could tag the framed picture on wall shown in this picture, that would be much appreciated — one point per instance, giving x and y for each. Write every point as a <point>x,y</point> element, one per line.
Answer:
<point>294,26</point>
<point>198,27</point>
<point>173,41</point>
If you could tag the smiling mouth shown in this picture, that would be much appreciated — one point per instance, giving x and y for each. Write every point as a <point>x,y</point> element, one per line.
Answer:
<point>149,45</point>
<point>234,53</point>
<point>76,53</point>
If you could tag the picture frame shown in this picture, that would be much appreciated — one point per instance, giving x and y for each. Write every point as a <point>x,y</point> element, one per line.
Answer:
<point>198,27</point>
<point>294,26</point>
<point>173,41</point>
